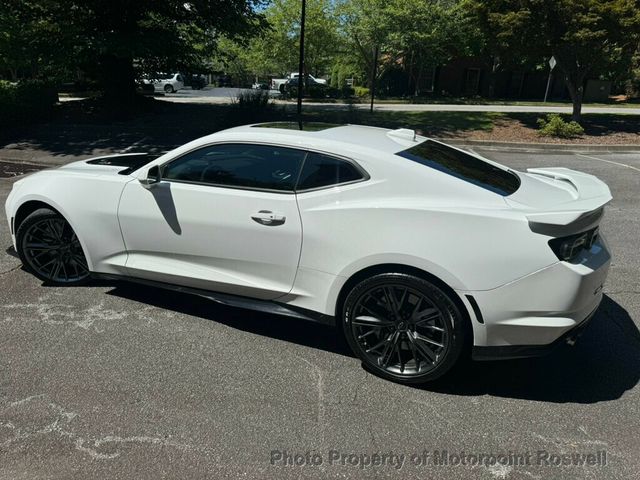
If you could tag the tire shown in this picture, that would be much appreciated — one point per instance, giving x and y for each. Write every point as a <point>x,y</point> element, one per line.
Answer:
<point>403,327</point>
<point>49,249</point>
<point>168,88</point>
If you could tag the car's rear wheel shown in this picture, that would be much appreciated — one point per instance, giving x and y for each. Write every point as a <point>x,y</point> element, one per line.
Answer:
<point>50,249</point>
<point>403,327</point>
<point>168,88</point>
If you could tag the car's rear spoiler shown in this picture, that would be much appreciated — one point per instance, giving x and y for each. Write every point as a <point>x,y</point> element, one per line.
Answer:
<point>590,193</point>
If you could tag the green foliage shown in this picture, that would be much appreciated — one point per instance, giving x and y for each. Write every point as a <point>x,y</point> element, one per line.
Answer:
<point>413,34</point>
<point>587,37</point>
<point>33,42</point>
<point>361,92</point>
<point>555,126</point>
<point>251,106</point>
<point>253,100</point>
<point>25,102</point>
<point>275,51</point>
<point>115,40</point>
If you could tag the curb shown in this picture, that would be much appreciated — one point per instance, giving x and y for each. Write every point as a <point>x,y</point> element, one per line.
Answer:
<point>546,147</point>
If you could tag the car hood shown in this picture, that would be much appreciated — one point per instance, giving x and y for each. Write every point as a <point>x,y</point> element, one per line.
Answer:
<point>110,164</point>
<point>558,196</point>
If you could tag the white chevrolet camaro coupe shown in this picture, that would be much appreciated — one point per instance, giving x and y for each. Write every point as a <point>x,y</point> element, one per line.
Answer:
<point>418,251</point>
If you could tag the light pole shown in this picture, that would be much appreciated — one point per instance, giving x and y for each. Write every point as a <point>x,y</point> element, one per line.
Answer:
<point>301,64</point>
<point>374,72</point>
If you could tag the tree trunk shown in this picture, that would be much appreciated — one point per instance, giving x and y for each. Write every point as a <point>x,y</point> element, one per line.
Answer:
<point>576,92</point>
<point>118,81</point>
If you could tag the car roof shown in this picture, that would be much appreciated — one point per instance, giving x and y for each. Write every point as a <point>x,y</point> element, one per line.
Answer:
<point>327,137</point>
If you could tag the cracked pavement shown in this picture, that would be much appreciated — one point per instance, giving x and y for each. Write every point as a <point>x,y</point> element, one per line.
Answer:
<point>115,380</point>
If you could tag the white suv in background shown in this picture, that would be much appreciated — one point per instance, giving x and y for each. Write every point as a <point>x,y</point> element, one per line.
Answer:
<point>167,83</point>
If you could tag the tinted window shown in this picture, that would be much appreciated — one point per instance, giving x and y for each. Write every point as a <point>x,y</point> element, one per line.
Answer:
<point>463,166</point>
<point>239,165</point>
<point>321,170</point>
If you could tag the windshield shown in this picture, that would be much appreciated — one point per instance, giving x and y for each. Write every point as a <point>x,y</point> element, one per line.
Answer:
<point>463,166</point>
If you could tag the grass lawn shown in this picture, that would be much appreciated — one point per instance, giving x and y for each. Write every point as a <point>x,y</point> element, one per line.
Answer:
<point>634,103</point>
<point>83,128</point>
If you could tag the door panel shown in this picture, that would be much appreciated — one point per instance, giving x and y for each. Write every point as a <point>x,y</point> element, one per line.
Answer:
<point>205,236</point>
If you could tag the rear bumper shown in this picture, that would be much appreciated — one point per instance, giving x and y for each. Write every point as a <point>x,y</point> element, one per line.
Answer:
<point>534,314</point>
<point>507,352</point>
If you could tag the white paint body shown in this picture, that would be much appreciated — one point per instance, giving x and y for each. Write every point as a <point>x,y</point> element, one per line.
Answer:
<point>477,242</point>
<point>174,81</point>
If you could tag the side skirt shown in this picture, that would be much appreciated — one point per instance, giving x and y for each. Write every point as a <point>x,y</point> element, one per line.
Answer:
<point>267,306</point>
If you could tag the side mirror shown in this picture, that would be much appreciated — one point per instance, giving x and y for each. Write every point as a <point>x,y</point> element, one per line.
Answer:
<point>153,177</point>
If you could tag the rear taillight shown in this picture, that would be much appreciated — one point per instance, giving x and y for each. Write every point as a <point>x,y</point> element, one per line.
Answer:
<point>566,248</point>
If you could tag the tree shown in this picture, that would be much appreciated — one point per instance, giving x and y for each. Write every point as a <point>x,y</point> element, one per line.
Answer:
<point>26,33</point>
<point>413,34</point>
<point>115,37</point>
<point>275,51</point>
<point>365,26</point>
<point>586,37</point>
<point>428,34</point>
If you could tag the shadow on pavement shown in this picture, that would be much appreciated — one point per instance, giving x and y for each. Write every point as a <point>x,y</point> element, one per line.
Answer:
<point>602,366</point>
<point>278,327</point>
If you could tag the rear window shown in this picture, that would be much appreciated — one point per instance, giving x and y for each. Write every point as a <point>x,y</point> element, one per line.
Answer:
<point>463,166</point>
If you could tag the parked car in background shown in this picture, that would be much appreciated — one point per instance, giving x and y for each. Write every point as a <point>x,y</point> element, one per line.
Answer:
<point>167,83</point>
<point>311,89</point>
<point>224,81</point>
<point>195,81</point>
<point>260,86</point>
<point>277,83</point>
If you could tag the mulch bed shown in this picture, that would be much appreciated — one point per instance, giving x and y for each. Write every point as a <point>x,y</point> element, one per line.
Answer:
<point>599,129</point>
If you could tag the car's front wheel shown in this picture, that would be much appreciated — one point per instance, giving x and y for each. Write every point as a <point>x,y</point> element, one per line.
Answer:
<point>403,327</point>
<point>50,249</point>
<point>168,88</point>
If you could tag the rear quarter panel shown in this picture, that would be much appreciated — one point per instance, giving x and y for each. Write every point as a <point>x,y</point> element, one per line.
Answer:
<point>411,215</point>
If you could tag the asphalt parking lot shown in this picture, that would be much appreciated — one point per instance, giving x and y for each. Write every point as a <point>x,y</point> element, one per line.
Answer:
<point>123,381</point>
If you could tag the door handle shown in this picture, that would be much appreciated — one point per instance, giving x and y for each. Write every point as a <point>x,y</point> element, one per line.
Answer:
<point>267,217</point>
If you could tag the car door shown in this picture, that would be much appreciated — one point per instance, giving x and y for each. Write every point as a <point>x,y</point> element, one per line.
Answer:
<point>223,217</point>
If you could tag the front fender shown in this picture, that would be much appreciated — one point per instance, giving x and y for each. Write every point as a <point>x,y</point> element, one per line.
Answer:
<point>89,203</point>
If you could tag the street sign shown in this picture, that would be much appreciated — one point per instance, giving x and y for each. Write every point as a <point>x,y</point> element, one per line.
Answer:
<point>552,64</point>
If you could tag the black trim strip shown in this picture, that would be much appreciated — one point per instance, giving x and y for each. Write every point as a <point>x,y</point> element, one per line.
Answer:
<point>476,308</point>
<point>267,306</point>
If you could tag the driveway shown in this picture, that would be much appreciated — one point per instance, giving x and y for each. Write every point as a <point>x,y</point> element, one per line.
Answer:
<point>114,380</point>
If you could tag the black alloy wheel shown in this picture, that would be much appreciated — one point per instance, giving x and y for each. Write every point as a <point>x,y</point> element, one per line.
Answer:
<point>403,327</point>
<point>50,249</point>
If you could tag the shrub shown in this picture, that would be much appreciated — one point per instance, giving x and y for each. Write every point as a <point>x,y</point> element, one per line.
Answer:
<point>361,91</point>
<point>347,91</point>
<point>555,126</point>
<point>250,106</point>
<point>26,102</point>
<point>256,100</point>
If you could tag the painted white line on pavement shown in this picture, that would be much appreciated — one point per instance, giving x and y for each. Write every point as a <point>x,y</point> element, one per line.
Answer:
<point>609,161</point>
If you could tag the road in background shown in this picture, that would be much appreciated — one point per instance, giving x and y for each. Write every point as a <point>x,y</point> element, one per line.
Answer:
<point>224,95</point>
<point>115,380</point>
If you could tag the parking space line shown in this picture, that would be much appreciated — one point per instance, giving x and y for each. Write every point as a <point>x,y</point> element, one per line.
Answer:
<point>609,161</point>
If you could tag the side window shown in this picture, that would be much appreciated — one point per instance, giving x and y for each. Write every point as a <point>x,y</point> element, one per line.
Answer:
<point>322,170</point>
<point>239,165</point>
